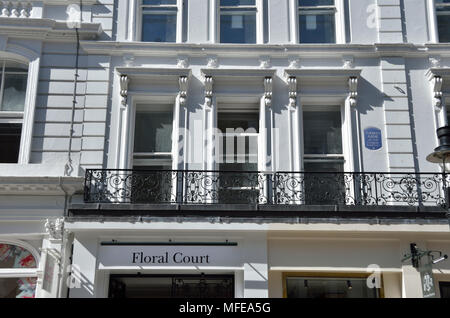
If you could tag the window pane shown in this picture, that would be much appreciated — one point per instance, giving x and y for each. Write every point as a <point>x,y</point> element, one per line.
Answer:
<point>153,132</point>
<point>13,256</point>
<point>159,27</point>
<point>324,183</point>
<point>317,28</point>
<point>159,2</point>
<point>311,287</point>
<point>10,142</point>
<point>246,121</point>
<point>311,3</point>
<point>14,92</point>
<point>238,28</point>
<point>237,2</point>
<point>443,20</point>
<point>17,287</point>
<point>322,132</point>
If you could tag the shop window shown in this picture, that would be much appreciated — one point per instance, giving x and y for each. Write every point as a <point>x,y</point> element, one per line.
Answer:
<point>159,20</point>
<point>13,87</point>
<point>152,156</point>
<point>238,21</point>
<point>444,288</point>
<point>317,21</point>
<point>324,158</point>
<point>443,20</point>
<point>13,259</point>
<point>329,287</point>
<point>238,157</point>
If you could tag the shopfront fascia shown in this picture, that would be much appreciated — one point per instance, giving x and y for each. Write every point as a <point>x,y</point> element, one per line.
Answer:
<point>102,264</point>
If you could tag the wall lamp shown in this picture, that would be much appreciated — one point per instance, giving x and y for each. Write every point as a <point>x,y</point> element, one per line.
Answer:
<point>416,255</point>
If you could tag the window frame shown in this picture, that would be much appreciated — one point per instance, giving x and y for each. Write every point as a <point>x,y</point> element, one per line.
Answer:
<point>259,7</point>
<point>139,20</point>
<point>339,20</point>
<point>436,15</point>
<point>22,272</point>
<point>14,117</point>
<point>317,158</point>
<point>160,159</point>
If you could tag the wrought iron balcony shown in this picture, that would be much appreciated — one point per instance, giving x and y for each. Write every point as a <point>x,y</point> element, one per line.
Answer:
<point>261,188</point>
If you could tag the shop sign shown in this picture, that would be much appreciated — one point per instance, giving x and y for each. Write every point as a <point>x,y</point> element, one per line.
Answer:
<point>372,138</point>
<point>157,256</point>
<point>428,286</point>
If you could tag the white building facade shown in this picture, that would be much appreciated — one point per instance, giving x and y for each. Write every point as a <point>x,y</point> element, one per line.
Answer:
<point>233,148</point>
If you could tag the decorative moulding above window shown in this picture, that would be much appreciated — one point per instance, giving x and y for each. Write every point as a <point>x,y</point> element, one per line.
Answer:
<point>67,2</point>
<point>323,74</point>
<point>154,74</point>
<point>250,76</point>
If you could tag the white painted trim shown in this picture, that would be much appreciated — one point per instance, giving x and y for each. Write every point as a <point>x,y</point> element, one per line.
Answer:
<point>29,112</point>
<point>432,22</point>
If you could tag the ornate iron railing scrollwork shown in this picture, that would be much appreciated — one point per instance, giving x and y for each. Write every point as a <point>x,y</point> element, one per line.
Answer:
<point>261,188</point>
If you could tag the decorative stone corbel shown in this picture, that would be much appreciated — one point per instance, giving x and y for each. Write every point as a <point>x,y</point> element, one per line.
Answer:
<point>264,62</point>
<point>183,81</point>
<point>353,90</point>
<point>124,81</point>
<point>209,81</point>
<point>294,62</point>
<point>437,91</point>
<point>182,62</point>
<point>292,83</point>
<point>435,61</point>
<point>348,62</point>
<point>213,62</point>
<point>55,228</point>
<point>268,91</point>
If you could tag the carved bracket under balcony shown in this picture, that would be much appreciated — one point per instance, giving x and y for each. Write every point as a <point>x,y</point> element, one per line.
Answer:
<point>124,81</point>
<point>183,81</point>
<point>353,90</point>
<point>15,9</point>
<point>437,82</point>
<point>292,83</point>
<point>268,88</point>
<point>209,81</point>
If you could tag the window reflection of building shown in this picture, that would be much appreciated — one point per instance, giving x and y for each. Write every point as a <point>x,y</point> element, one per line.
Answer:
<point>13,259</point>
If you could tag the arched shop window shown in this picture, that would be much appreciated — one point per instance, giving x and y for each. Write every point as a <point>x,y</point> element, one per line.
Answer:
<point>18,268</point>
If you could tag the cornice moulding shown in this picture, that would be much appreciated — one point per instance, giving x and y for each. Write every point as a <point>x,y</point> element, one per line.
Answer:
<point>40,185</point>
<point>238,73</point>
<point>45,29</point>
<point>257,50</point>
<point>67,2</point>
<point>150,73</point>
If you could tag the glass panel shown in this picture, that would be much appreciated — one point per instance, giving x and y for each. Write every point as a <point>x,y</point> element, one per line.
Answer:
<point>237,2</point>
<point>153,132</point>
<point>159,27</point>
<point>309,287</point>
<point>246,121</point>
<point>10,135</point>
<point>444,289</point>
<point>12,256</point>
<point>317,28</point>
<point>17,287</point>
<point>312,3</point>
<point>322,132</point>
<point>159,2</point>
<point>443,20</point>
<point>172,287</point>
<point>324,183</point>
<point>238,28</point>
<point>152,184</point>
<point>14,92</point>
